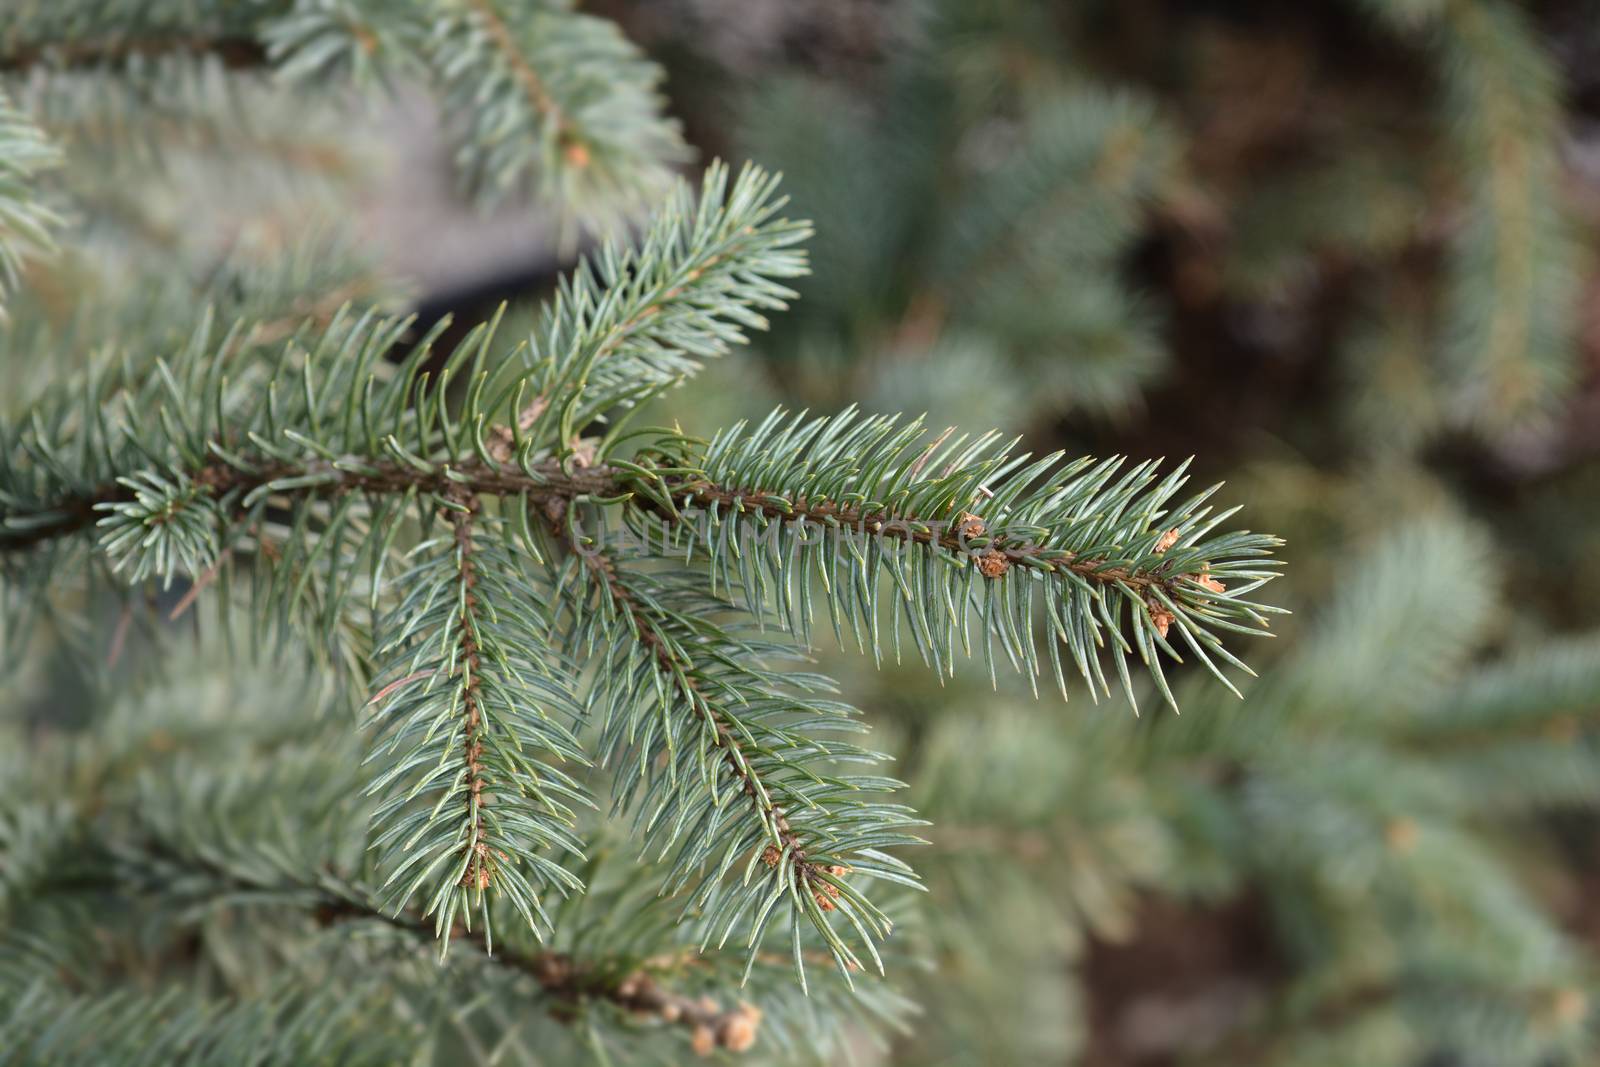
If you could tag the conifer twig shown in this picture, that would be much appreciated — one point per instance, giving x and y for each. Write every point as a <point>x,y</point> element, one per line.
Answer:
<point>233,51</point>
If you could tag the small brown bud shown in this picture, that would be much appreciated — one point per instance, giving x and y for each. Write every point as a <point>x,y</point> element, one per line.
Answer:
<point>480,872</point>
<point>1569,1006</point>
<point>477,876</point>
<point>993,564</point>
<point>738,1031</point>
<point>703,1041</point>
<point>1162,618</point>
<point>1400,835</point>
<point>671,1012</point>
<point>1166,540</point>
<point>824,893</point>
<point>970,525</point>
<point>770,855</point>
<point>577,154</point>
<point>1204,578</point>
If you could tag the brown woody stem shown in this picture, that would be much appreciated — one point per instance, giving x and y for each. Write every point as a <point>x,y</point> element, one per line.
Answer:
<point>480,864</point>
<point>235,52</point>
<point>570,982</point>
<point>551,485</point>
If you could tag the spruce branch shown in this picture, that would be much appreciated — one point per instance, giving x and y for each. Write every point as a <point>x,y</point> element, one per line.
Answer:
<point>633,320</point>
<point>166,528</point>
<point>68,515</point>
<point>472,715</point>
<point>737,772</point>
<point>1514,269</point>
<point>233,52</point>
<point>277,841</point>
<point>839,498</point>
<point>592,131</point>
<point>568,982</point>
<point>494,26</point>
<point>382,507</point>
<point>539,92</point>
<point>79,34</point>
<point>541,95</point>
<point>1099,548</point>
<point>206,882</point>
<point>25,221</point>
<point>1514,357</point>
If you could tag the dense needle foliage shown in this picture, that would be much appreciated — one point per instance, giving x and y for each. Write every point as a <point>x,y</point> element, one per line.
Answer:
<point>609,675</point>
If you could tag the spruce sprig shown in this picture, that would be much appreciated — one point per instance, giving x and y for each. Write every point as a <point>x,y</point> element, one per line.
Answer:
<point>454,537</point>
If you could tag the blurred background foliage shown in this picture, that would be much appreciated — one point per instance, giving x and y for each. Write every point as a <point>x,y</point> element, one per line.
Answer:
<point>1343,254</point>
<point>1339,251</point>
